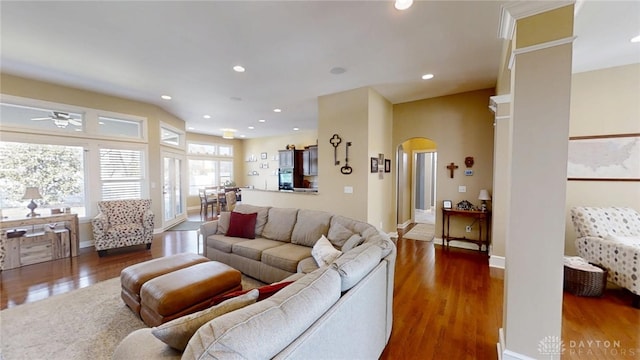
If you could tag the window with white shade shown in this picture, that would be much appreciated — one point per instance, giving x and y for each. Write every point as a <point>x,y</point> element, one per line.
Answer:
<point>121,174</point>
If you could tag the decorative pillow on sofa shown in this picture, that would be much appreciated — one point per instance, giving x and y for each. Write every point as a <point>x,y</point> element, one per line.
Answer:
<point>176,333</point>
<point>263,292</point>
<point>242,225</point>
<point>223,222</point>
<point>324,253</point>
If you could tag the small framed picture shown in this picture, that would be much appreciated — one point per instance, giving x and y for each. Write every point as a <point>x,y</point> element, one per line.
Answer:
<point>374,165</point>
<point>446,204</point>
<point>263,156</point>
<point>387,165</point>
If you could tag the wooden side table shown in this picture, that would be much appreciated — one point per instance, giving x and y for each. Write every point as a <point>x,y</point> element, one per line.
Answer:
<point>482,217</point>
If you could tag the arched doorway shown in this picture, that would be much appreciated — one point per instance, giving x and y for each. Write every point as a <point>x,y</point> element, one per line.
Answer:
<point>416,190</point>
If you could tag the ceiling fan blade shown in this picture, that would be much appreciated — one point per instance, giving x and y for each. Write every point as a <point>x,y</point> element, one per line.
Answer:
<point>61,115</point>
<point>43,118</point>
<point>75,122</point>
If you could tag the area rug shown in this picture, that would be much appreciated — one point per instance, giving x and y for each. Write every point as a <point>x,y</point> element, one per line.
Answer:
<point>424,232</point>
<point>186,226</point>
<point>87,323</point>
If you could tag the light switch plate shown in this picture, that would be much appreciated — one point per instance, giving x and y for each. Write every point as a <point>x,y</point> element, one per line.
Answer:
<point>348,189</point>
<point>462,189</point>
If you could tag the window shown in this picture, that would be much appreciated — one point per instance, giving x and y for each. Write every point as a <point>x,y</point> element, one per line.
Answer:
<point>40,119</point>
<point>121,174</point>
<point>56,170</point>
<point>209,165</point>
<point>110,126</point>
<point>171,137</point>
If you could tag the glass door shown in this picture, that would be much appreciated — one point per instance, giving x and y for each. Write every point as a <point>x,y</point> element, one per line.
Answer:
<point>172,195</point>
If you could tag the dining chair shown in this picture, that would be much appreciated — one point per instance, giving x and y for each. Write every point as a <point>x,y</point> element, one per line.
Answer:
<point>207,200</point>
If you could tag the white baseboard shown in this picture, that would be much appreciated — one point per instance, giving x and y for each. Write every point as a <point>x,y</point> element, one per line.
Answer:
<point>86,244</point>
<point>404,224</point>
<point>497,261</point>
<point>506,354</point>
<point>457,244</point>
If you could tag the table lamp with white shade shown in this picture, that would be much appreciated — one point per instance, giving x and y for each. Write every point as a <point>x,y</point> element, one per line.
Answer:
<point>484,196</point>
<point>32,193</point>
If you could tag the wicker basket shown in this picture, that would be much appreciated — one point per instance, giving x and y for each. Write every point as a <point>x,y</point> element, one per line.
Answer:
<point>585,283</point>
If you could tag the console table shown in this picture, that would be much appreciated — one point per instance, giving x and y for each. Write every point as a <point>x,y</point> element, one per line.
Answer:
<point>481,217</point>
<point>39,242</point>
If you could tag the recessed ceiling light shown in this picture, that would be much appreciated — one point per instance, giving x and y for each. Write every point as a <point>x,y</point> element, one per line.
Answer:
<point>207,116</point>
<point>427,76</point>
<point>191,128</point>
<point>277,110</point>
<point>403,4</point>
<point>296,129</point>
<point>166,97</point>
<point>636,39</point>
<point>251,127</point>
<point>337,70</point>
<point>238,68</point>
<point>262,120</point>
<point>243,136</point>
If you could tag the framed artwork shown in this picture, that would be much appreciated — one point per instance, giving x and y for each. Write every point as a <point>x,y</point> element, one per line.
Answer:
<point>374,165</point>
<point>263,156</point>
<point>604,158</point>
<point>446,204</point>
<point>387,165</point>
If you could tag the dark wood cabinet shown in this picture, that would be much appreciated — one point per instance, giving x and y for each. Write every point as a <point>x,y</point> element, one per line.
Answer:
<point>287,158</point>
<point>310,161</point>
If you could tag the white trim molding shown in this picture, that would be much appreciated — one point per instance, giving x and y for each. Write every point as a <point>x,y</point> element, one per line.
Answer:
<point>537,47</point>
<point>506,354</point>
<point>494,101</point>
<point>516,10</point>
<point>497,262</point>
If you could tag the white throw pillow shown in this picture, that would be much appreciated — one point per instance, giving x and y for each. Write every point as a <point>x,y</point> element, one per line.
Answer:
<point>324,253</point>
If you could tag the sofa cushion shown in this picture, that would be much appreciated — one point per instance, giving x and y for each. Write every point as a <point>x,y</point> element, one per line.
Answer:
<point>307,265</point>
<point>281,319</point>
<point>252,249</point>
<point>261,219</point>
<point>286,256</point>
<point>176,333</point>
<point>242,225</point>
<point>356,264</point>
<point>280,224</point>
<point>353,241</point>
<point>310,225</point>
<point>324,253</point>
<point>222,242</point>
<point>223,222</point>
<point>338,234</point>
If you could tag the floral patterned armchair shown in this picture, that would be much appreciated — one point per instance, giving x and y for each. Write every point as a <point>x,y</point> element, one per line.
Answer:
<point>610,236</point>
<point>122,223</point>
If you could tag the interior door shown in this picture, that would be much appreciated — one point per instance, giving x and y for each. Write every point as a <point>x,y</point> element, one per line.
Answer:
<point>173,198</point>
<point>425,164</point>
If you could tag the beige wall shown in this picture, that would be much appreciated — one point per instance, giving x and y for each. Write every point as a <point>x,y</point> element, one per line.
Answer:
<point>603,102</point>
<point>461,125</point>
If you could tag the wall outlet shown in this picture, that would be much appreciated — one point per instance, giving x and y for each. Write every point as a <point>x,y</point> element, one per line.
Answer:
<point>348,189</point>
<point>462,189</point>
<point>468,229</point>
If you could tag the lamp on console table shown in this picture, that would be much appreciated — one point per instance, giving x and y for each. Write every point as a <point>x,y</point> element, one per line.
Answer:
<point>484,196</point>
<point>32,193</point>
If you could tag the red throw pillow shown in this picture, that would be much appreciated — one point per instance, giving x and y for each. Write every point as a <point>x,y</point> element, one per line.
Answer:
<point>242,225</point>
<point>265,292</point>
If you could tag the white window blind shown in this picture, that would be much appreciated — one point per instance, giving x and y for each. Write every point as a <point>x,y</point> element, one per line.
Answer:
<point>121,174</point>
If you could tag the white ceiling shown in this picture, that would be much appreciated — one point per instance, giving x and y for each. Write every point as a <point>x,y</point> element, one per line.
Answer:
<point>144,49</point>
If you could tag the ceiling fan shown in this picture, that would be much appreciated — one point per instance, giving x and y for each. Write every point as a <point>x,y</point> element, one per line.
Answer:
<point>60,119</point>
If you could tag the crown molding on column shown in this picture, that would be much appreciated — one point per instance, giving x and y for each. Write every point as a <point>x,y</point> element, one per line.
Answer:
<point>516,10</point>
<point>496,100</point>
<point>536,47</point>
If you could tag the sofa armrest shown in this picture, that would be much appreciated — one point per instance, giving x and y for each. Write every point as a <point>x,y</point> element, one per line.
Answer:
<point>208,228</point>
<point>100,225</point>
<point>147,220</point>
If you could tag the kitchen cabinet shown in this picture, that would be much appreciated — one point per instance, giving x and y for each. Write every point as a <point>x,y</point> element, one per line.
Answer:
<point>310,161</point>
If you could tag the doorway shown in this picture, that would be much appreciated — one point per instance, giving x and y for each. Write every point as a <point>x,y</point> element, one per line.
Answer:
<point>172,195</point>
<point>416,195</point>
<point>424,188</point>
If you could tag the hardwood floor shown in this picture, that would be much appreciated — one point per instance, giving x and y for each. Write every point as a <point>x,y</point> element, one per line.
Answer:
<point>447,304</point>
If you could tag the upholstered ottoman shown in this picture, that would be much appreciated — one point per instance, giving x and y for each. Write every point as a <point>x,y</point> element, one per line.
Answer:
<point>133,277</point>
<point>185,291</point>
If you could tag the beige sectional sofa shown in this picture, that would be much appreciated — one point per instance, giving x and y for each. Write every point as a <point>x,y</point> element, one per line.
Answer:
<point>338,311</point>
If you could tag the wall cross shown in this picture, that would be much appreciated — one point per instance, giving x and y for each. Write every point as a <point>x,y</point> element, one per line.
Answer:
<point>452,167</point>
